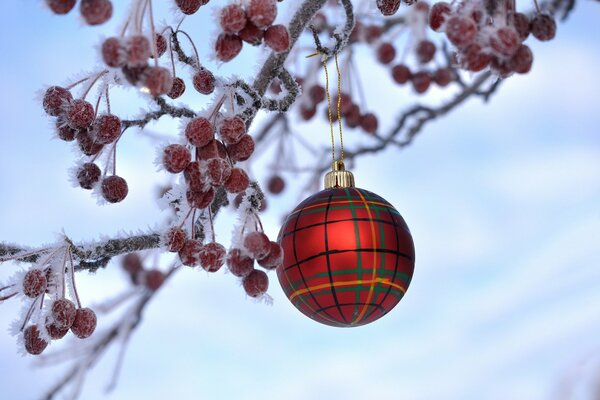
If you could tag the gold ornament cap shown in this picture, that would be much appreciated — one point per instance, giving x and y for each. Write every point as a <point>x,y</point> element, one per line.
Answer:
<point>338,177</point>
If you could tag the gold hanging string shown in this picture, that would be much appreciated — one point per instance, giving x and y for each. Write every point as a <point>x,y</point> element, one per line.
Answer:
<point>339,103</point>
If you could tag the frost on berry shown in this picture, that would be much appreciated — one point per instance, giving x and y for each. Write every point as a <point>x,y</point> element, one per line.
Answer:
<point>61,7</point>
<point>138,50</point>
<point>257,244</point>
<point>521,24</point>
<point>232,129</point>
<point>189,253</point>
<point>256,283</point>
<point>177,89</point>
<point>88,175</point>
<point>421,81</point>
<point>461,31</point>
<point>401,74</point>
<point>189,7</point>
<point>262,13</point>
<point>84,324</point>
<point>132,264</point>
<point>114,189</point>
<point>174,239</point>
<point>251,34</point>
<point>522,60</point>
<point>242,150</point>
<point>228,46</point>
<point>505,40</point>
<point>107,128</point>
<point>96,12</point>
<point>474,59</point>
<point>34,283</point>
<point>218,171</point>
<point>543,27</point>
<point>239,264</point>
<point>113,52</point>
<point>425,51</point>
<point>238,181</point>
<point>233,18</point>
<point>64,131</point>
<point>388,7</point>
<point>204,81</point>
<point>194,178</point>
<point>80,114</point>
<point>33,343</point>
<point>199,131</point>
<point>56,100</point>
<point>276,184</point>
<point>160,44</point>
<point>214,149</point>
<point>369,123</point>
<point>158,80</point>
<point>386,52</point>
<point>63,312</point>
<point>55,331</point>
<point>87,143</point>
<point>277,37</point>
<point>201,199</point>
<point>212,256</point>
<point>153,279</point>
<point>176,158</point>
<point>275,257</point>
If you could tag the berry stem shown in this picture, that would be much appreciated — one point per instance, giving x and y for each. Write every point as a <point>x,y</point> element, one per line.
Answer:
<point>62,273</point>
<point>72,276</point>
<point>185,218</point>
<point>10,296</point>
<point>107,100</point>
<point>72,85</point>
<point>153,33</point>
<point>198,64</point>
<point>29,312</point>
<point>212,227</point>
<point>93,83</point>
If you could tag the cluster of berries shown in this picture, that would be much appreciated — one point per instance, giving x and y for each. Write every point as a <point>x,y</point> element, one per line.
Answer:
<point>60,315</point>
<point>493,38</point>
<point>76,119</point>
<point>251,24</point>
<point>94,12</point>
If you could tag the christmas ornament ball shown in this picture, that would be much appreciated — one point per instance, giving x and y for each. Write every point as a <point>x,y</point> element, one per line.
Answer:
<point>348,257</point>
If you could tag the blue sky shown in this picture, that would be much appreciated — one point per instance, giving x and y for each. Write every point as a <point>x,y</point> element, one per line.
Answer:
<point>501,198</point>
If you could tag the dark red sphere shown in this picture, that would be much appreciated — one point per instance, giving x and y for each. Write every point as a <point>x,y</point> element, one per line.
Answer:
<point>348,257</point>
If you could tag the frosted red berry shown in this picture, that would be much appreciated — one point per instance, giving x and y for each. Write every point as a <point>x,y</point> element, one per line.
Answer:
<point>275,257</point>
<point>114,189</point>
<point>84,324</point>
<point>160,44</point>
<point>388,7</point>
<point>80,114</point>
<point>257,244</point>
<point>242,150</point>
<point>443,76</point>
<point>134,75</point>
<point>425,51</point>
<point>386,52</point>
<point>212,256</point>
<point>369,123</point>
<point>277,37</point>
<point>33,343</point>
<point>228,46</point>
<point>189,7</point>
<point>199,131</point>
<point>461,31</point>
<point>55,331</point>
<point>176,158</point>
<point>61,7</point>
<point>214,149</point>
<point>232,129</point>
<point>175,239</point>
<point>251,34</point>
<point>64,131</point>
<point>401,74</point>
<point>218,171</point>
<point>276,184</point>
<point>522,60</point>
<point>96,12</point>
<point>113,52</point>
<point>138,50</point>
<point>262,13</point>
<point>317,93</point>
<point>132,264</point>
<point>88,175</point>
<point>474,59</point>
<point>200,199</point>
<point>353,116</point>
<point>238,263</point>
<point>505,40</point>
<point>107,128</point>
<point>87,143</point>
<point>238,181</point>
<point>194,178</point>
<point>204,81</point>
<point>521,24</point>
<point>158,80</point>
<point>421,81</point>
<point>256,283</point>
<point>63,313</point>
<point>56,100</point>
<point>177,88</point>
<point>153,279</point>
<point>189,253</point>
<point>438,15</point>
<point>34,283</point>
<point>543,27</point>
<point>233,18</point>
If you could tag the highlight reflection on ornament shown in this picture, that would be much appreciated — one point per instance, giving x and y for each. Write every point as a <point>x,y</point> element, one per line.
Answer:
<point>348,254</point>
